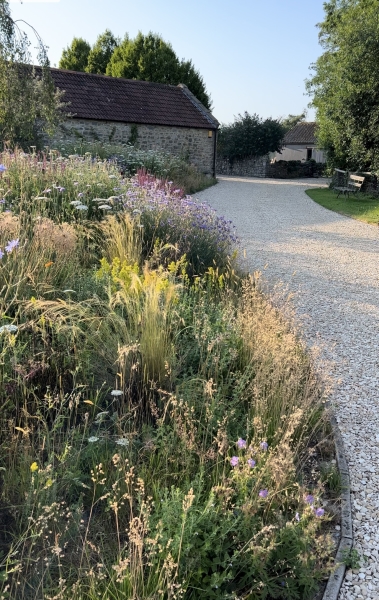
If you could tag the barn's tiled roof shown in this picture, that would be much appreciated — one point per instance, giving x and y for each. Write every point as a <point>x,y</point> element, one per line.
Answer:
<point>302,133</point>
<point>115,99</point>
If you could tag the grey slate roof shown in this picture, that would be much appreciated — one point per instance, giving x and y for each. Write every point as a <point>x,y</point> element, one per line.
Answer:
<point>126,100</point>
<point>302,133</point>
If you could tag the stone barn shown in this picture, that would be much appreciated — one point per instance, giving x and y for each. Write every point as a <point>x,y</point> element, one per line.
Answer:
<point>154,116</point>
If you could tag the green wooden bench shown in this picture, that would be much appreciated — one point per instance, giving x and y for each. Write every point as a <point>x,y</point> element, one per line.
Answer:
<point>353,185</point>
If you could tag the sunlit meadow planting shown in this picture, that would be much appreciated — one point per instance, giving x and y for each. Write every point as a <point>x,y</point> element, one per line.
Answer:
<point>156,409</point>
<point>130,159</point>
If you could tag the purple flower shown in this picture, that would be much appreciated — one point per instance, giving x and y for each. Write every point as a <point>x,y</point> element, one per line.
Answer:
<point>264,446</point>
<point>2,168</point>
<point>61,189</point>
<point>46,191</point>
<point>263,493</point>
<point>2,201</point>
<point>11,245</point>
<point>297,517</point>
<point>251,463</point>
<point>234,461</point>
<point>319,512</point>
<point>241,443</point>
<point>1,254</point>
<point>309,499</point>
<point>80,194</point>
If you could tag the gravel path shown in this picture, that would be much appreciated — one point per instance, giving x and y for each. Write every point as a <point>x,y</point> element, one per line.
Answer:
<point>330,262</point>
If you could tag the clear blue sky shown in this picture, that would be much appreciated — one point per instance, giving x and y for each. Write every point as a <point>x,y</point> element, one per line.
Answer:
<point>254,55</point>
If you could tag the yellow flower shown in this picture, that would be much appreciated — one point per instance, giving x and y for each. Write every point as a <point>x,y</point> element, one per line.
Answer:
<point>34,467</point>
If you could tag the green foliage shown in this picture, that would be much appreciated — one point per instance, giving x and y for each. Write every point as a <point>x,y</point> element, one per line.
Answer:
<point>133,138</point>
<point>29,105</point>
<point>345,85</point>
<point>129,159</point>
<point>351,558</point>
<point>101,52</point>
<point>292,120</point>
<point>147,57</point>
<point>75,57</point>
<point>249,136</point>
<point>127,389</point>
<point>191,77</point>
<point>150,58</point>
<point>361,207</point>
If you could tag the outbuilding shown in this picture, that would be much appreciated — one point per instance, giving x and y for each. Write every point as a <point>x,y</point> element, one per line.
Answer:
<point>300,143</point>
<point>154,116</point>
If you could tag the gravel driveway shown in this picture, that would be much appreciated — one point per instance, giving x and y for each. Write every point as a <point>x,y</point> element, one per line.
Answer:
<point>330,262</point>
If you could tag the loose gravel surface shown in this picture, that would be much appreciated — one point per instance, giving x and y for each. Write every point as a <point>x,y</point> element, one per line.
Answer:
<point>330,262</point>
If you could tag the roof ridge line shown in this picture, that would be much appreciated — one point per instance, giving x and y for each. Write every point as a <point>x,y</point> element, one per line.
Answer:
<point>109,77</point>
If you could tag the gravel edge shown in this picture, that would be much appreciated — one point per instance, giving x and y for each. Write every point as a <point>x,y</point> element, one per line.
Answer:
<point>346,542</point>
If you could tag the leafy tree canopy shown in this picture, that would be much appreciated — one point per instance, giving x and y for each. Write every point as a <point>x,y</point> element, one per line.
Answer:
<point>345,84</point>
<point>147,57</point>
<point>249,136</point>
<point>292,120</point>
<point>29,105</point>
<point>75,57</point>
<point>101,53</point>
<point>150,58</point>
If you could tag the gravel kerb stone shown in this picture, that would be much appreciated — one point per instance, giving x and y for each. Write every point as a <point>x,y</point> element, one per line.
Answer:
<point>330,264</point>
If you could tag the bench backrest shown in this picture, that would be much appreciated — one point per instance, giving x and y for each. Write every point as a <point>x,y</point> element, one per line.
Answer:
<point>355,181</point>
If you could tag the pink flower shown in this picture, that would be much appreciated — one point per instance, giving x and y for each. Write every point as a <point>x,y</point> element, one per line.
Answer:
<point>234,461</point>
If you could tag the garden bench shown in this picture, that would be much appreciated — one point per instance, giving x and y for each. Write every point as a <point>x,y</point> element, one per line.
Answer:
<point>354,184</point>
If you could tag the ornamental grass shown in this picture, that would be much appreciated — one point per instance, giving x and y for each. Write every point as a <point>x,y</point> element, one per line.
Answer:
<point>156,406</point>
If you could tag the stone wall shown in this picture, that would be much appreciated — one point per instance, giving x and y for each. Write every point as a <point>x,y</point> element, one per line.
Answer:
<point>249,167</point>
<point>193,144</point>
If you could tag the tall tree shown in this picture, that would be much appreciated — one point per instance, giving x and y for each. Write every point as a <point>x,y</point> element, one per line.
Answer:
<point>194,81</point>
<point>345,85</point>
<point>29,105</point>
<point>150,58</point>
<point>147,57</point>
<point>101,53</point>
<point>75,56</point>
<point>249,136</point>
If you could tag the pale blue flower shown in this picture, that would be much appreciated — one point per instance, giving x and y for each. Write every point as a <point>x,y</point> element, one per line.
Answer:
<point>11,245</point>
<point>9,328</point>
<point>122,442</point>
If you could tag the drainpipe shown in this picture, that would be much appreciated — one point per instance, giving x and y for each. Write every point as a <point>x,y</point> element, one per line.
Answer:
<point>214,153</point>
